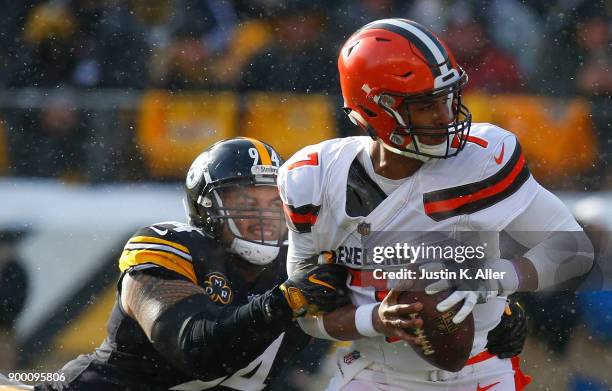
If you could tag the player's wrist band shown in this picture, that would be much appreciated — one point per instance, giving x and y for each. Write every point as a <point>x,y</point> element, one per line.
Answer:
<point>363,320</point>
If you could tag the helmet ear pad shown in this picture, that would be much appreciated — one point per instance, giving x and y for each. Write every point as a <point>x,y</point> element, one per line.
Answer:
<point>357,119</point>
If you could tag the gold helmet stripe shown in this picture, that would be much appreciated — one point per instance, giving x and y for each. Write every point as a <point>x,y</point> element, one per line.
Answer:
<point>262,150</point>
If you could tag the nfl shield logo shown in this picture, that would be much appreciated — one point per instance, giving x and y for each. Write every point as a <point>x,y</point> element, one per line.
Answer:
<point>363,228</point>
<point>351,357</point>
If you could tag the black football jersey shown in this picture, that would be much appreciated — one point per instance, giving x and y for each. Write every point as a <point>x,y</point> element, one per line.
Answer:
<point>127,360</point>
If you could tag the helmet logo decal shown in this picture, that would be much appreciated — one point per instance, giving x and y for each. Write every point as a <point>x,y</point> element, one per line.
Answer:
<point>194,176</point>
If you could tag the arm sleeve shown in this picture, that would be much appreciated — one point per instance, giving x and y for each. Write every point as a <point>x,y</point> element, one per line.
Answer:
<point>201,337</point>
<point>300,251</point>
<point>558,247</point>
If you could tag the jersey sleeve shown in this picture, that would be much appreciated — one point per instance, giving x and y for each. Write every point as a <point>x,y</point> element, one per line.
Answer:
<point>507,188</point>
<point>557,246</point>
<point>158,245</point>
<point>500,189</point>
<point>300,187</point>
<point>300,251</point>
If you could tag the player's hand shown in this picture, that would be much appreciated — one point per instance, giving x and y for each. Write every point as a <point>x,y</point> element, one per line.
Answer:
<point>508,338</point>
<point>470,291</point>
<point>482,293</point>
<point>316,289</point>
<point>394,320</point>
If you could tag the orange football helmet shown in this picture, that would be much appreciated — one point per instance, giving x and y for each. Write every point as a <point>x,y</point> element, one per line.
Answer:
<point>393,62</point>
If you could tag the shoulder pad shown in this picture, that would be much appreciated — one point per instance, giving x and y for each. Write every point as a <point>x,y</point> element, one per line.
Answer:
<point>491,168</point>
<point>299,184</point>
<point>302,180</point>
<point>163,245</point>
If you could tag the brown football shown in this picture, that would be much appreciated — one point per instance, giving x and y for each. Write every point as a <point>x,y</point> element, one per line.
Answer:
<point>445,345</point>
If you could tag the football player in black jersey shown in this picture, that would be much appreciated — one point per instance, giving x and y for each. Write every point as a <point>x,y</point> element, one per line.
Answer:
<point>207,305</point>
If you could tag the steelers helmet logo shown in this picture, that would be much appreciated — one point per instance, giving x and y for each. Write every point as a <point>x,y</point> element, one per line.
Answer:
<point>196,171</point>
<point>217,288</point>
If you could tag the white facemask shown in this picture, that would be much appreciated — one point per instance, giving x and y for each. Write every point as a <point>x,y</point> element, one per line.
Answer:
<point>255,253</point>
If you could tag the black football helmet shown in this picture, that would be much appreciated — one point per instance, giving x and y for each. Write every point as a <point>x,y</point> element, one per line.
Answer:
<point>229,165</point>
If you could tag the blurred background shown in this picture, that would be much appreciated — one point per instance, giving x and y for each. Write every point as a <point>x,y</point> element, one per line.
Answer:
<point>104,104</point>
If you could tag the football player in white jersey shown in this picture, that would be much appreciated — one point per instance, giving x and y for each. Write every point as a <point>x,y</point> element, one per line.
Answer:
<point>423,167</point>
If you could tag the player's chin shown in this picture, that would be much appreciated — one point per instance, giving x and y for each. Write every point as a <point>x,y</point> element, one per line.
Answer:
<point>433,140</point>
<point>268,234</point>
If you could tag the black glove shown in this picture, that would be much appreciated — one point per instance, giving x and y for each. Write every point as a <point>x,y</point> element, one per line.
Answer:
<point>316,288</point>
<point>508,338</point>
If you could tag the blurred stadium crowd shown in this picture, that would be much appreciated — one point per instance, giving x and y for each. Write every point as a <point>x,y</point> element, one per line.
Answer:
<point>77,75</point>
<point>131,90</point>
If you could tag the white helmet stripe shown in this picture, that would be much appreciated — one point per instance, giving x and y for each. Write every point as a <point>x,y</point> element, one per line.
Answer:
<point>425,40</point>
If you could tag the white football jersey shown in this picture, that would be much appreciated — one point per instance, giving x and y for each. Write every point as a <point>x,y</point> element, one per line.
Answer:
<point>481,189</point>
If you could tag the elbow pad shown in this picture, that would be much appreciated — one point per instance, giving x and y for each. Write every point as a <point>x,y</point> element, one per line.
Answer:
<point>561,257</point>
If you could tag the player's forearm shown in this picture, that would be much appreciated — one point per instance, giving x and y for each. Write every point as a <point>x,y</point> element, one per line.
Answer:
<point>560,262</point>
<point>563,257</point>
<point>340,324</point>
<point>197,335</point>
<point>559,250</point>
<point>388,318</point>
<point>527,275</point>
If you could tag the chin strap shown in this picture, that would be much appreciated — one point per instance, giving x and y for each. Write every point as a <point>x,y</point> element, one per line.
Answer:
<point>255,253</point>
<point>409,154</point>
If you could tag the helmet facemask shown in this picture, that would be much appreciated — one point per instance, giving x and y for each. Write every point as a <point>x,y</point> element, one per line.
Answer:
<point>452,136</point>
<point>253,232</point>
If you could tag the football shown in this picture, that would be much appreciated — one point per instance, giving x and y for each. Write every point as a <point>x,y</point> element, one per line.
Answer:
<point>444,344</point>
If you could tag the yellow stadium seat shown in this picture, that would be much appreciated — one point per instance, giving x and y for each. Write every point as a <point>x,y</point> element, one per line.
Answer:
<point>288,122</point>
<point>175,128</point>
<point>557,135</point>
<point>247,39</point>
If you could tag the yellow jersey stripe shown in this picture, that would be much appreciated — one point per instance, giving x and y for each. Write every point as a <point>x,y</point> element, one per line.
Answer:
<point>131,258</point>
<point>263,151</point>
<point>157,247</point>
<point>152,239</point>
